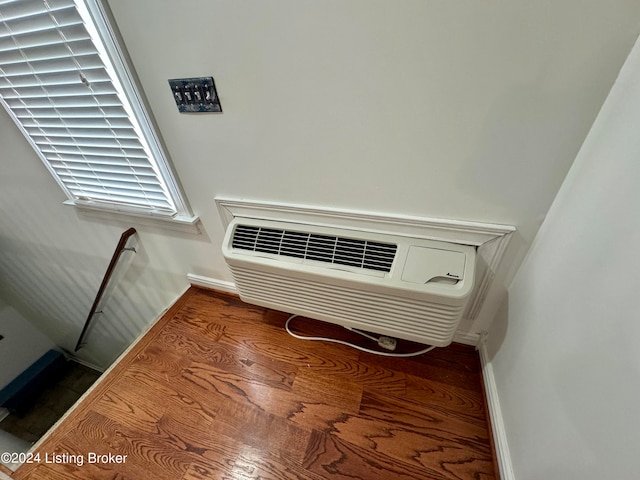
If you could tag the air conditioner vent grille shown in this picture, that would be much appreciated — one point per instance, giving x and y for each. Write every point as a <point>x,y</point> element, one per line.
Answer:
<point>310,246</point>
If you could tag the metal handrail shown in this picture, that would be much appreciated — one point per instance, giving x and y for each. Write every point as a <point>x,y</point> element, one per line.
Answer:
<point>105,281</point>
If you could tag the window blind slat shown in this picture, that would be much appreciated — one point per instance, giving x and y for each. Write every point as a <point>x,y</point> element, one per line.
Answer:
<point>81,143</point>
<point>31,9</point>
<point>132,164</point>
<point>88,144</point>
<point>24,27</point>
<point>81,132</point>
<point>92,181</point>
<point>132,195</point>
<point>70,112</point>
<point>121,195</point>
<point>70,123</point>
<point>110,201</point>
<point>66,102</point>
<point>53,79</point>
<point>84,62</point>
<point>103,168</point>
<point>93,165</point>
<point>47,52</point>
<point>77,89</point>
<point>49,36</point>
<point>91,143</point>
<point>130,188</point>
<point>66,151</point>
<point>89,122</point>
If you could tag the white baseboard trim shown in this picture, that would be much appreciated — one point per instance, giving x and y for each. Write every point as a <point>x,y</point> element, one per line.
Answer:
<point>87,364</point>
<point>214,284</point>
<point>495,415</point>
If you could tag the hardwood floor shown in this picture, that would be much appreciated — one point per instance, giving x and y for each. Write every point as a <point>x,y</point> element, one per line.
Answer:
<point>218,390</point>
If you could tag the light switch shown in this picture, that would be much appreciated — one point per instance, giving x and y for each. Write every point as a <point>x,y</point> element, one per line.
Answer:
<point>195,95</point>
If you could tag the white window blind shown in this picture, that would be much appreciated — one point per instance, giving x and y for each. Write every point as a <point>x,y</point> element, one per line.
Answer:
<point>63,80</point>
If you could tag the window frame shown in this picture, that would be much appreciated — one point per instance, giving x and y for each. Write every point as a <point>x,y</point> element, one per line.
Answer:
<point>100,25</point>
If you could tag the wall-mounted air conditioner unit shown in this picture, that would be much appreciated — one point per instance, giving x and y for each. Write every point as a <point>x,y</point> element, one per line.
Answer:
<point>399,286</point>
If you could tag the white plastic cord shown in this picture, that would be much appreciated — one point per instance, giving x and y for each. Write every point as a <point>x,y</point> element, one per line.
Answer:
<point>364,334</point>
<point>357,347</point>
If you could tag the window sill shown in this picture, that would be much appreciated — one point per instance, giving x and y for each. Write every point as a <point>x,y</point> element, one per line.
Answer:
<point>180,223</point>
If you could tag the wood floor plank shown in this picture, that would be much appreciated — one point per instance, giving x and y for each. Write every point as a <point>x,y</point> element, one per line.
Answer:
<point>461,370</point>
<point>199,314</point>
<point>414,433</point>
<point>178,339</point>
<point>219,456</point>
<point>220,385</point>
<point>219,390</point>
<point>266,432</point>
<point>123,405</point>
<point>170,395</point>
<point>161,359</point>
<point>304,354</point>
<point>272,340</point>
<point>252,368</point>
<point>451,400</point>
<point>46,472</point>
<point>146,455</point>
<point>242,462</point>
<point>332,390</point>
<point>305,405</point>
<point>334,459</point>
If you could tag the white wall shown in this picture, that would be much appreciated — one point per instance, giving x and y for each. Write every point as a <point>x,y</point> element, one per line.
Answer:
<point>465,110</point>
<point>567,362</point>
<point>22,344</point>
